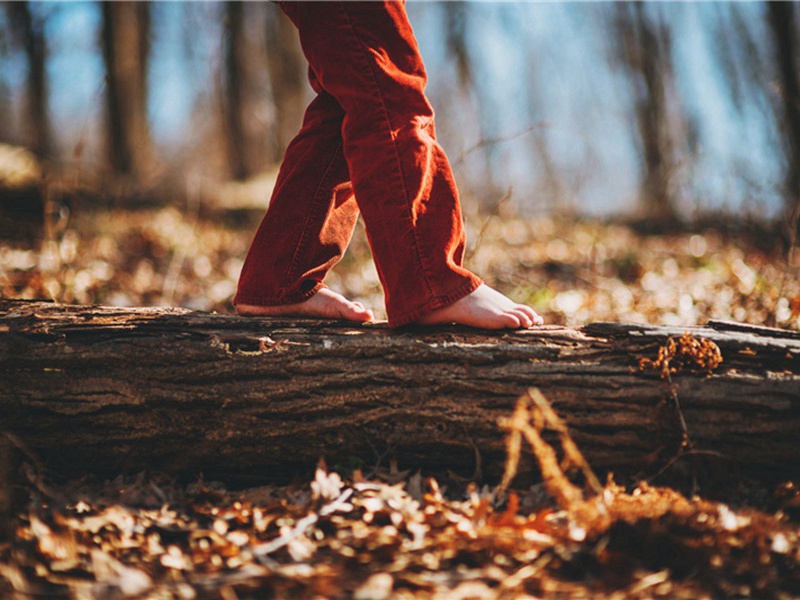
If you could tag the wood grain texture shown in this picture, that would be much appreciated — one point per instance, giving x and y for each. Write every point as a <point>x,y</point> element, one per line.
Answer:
<point>115,389</point>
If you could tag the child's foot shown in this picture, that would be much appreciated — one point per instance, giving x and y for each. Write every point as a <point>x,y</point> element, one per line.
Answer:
<point>325,304</point>
<point>485,308</point>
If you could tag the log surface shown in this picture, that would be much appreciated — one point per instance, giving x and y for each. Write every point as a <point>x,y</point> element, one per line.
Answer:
<point>109,390</point>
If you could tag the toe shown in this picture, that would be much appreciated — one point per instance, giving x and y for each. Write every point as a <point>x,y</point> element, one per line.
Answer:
<point>525,320</point>
<point>357,312</point>
<point>532,314</point>
<point>365,314</point>
<point>353,314</point>
<point>510,320</point>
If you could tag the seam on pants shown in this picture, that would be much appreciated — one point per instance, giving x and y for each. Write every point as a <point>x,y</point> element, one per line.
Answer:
<point>417,246</point>
<point>313,211</point>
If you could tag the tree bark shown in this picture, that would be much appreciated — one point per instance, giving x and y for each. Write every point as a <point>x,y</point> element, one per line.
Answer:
<point>7,480</point>
<point>114,389</point>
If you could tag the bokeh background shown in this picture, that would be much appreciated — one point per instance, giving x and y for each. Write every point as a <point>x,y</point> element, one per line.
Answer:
<point>145,138</point>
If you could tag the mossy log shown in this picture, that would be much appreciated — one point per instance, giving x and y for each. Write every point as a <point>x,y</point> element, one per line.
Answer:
<point>109,390</point>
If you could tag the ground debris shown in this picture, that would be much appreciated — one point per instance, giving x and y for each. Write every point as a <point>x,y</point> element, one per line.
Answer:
<point>571,271</point>
<point>687,354</point>
<point>351,537</point>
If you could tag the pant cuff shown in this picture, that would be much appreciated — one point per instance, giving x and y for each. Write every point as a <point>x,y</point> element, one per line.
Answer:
<point>436,303</point>
<point>277,300</point>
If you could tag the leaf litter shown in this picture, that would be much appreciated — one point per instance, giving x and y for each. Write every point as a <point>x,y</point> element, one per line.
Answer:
<point>338,537</point>
<point>571,271</point>
<point>400,534</point>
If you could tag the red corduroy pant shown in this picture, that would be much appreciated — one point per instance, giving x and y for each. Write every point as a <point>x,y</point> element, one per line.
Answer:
<point>367,144</point>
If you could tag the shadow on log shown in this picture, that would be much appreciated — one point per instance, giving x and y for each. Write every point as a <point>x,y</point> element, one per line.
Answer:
<point>108,390</point>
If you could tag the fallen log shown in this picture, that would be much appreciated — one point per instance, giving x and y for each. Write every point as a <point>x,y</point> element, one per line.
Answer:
<point>109,390</point>
<point>7,481</point>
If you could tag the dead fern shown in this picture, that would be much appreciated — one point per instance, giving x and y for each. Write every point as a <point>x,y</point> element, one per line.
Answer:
<point>532,415</point>
<point>687,354</point>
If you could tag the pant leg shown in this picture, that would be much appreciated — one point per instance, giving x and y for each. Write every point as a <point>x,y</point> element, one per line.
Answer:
<point>311,215</point>
<point>364,55</point>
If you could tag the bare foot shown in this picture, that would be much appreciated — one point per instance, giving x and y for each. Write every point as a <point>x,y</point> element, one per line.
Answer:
<point>485,308</point>
<point>326,304</point>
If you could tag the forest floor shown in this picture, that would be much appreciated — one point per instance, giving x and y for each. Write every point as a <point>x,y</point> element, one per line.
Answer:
<point>391,533</point>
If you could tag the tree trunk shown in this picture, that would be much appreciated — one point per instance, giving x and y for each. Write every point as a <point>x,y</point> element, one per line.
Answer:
<point>455,25</point>
<point>234,101</point>
<point>126,46</point>
<point>287,74</point>
<point>113,389</point>
<point>31,33</point>
<point>7,480</point>
<point>644,49</point>
<point>781,16</point>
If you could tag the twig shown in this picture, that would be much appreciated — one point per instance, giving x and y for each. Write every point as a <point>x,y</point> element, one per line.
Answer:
<point>477,475</point>
<point>571,451</point>
<point>531,416</point>
<point>173,276</point>
<point>471,252</point>
<point>648,581</point>
<point>498,140</point>
<point>380,456</point>
<point>686,441</point>
<point>794,222</point>
<point>302,526</point>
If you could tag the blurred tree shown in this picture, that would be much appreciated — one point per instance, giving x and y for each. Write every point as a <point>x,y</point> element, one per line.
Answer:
<point>126,49</point>
<point>28,30</point>
<point>643,47</point>
<point>5,92</point>
<point>782,17</point>
<point>740,53</point>
<point>287,73</point>
<point>234,95</point>
<point>248,115</point>
<point>456,40</point>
